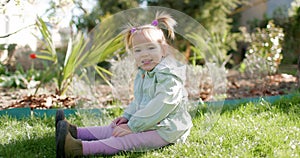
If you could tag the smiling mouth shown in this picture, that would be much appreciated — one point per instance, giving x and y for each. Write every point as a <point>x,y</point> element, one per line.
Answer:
<point>147,61</point>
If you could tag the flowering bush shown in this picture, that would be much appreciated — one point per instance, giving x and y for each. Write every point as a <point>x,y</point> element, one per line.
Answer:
<point>265,46</point>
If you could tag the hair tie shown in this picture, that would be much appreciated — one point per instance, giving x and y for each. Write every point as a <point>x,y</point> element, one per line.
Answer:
<point>132,30</point>
<point>154,22</point>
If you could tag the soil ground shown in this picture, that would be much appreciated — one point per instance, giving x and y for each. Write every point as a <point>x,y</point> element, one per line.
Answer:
<point>238,86</point>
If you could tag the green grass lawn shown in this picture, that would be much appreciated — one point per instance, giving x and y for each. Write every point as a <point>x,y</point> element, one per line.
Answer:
<point>250,130</point>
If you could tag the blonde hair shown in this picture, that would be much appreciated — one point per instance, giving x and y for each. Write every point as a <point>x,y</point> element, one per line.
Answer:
<point>161,18</point>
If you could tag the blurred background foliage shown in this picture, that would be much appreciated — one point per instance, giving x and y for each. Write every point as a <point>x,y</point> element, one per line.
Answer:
<point>219,17</point>
<point>280,34</point>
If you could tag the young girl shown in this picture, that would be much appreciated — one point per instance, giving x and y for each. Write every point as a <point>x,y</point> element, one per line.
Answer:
<point>155,118</point>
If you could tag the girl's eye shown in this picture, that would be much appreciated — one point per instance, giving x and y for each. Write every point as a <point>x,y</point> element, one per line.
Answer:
<point>151,48</point>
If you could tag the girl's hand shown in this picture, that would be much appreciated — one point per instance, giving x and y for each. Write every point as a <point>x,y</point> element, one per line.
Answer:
<point>121,130</point>
<point>118,121</point>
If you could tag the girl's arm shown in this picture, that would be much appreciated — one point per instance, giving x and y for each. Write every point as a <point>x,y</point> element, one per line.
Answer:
<point>131,108</point>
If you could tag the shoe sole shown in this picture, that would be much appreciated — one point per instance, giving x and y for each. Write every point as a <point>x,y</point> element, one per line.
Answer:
<point>61,133</point>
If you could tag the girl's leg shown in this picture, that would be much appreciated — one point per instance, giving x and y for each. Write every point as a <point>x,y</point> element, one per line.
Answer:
<point>94,133</point>
<point>136,141</point>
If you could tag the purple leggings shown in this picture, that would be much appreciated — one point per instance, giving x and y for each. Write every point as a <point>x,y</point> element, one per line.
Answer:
<point>99,140</point>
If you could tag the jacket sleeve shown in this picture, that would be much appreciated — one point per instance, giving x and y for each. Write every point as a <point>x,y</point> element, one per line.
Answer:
<point>167,97</point>
<point>131,109</point>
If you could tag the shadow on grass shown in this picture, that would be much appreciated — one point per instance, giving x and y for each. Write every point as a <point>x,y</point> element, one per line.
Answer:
<point>40,143</point>
<point>289,106</point>
<point>34,147</point>
<point>286,105</point>
<point>45,147</point>
<point>138,154</point>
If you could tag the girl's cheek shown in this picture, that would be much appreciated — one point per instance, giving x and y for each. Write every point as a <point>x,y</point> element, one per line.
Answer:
<point>136,55</point>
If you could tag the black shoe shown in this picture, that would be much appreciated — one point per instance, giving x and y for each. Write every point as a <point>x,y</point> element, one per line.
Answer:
<point>66,145</point>
<point>61,133</point>
<point>60,115</point>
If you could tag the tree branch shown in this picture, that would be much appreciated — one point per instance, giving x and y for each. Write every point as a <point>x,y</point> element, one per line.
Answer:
<point>5,36</point>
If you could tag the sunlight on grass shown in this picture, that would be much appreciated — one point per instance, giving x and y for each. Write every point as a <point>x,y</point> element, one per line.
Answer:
<point>250,130</point>
<point>27,138</point>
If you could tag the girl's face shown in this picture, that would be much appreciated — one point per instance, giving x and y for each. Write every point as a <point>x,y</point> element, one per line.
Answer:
<point>147,54</point>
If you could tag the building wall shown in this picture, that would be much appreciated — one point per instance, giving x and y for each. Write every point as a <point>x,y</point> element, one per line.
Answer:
<point>16,19</point>
<point>257,9</point>
<point>275,4</point>
<point>23,17</point>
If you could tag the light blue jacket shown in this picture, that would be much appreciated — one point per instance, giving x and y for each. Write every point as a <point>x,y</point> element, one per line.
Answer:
<point>160,102</point>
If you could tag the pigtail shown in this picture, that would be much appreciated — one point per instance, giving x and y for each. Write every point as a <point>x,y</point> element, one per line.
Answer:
<point>168,22</point>
<point>127,32</point>
<point>161,18</point>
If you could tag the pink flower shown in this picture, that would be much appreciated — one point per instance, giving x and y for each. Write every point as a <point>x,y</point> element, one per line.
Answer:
<point>32,55</point>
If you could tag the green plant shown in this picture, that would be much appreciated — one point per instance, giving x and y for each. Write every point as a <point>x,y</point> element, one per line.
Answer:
<point>79,56</point>
<point>16,80</point>
<point>208,82</point>
<point>213,50</point>
<point>21,78</point>
<point>3,69</point>
<point>292,33</point>
<point>265,45</point>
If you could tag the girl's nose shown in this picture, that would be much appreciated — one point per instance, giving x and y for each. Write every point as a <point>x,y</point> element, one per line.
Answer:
<point>144,53</point>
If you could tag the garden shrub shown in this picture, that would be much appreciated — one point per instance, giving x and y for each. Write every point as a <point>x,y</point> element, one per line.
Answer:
<point>264,53</point>
<point>292,33</point>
